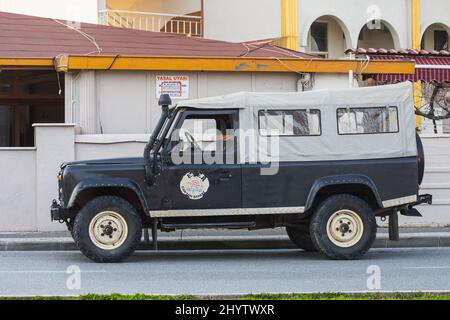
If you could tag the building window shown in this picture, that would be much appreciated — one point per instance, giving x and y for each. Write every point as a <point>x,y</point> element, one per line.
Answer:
<point>290,123</point>
<point>367,120</point>
<point>440,40</point>
<point>28,97</point>
<point>5,130</point>
<point>319,38</point>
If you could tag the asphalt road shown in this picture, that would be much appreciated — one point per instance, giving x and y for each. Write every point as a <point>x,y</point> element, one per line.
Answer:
<point>224,272</point>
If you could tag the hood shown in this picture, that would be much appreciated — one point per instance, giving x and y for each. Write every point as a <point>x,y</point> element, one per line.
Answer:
<point>115,161</point>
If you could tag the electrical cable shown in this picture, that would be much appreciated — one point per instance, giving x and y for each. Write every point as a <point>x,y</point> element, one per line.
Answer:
<point>90,38</point>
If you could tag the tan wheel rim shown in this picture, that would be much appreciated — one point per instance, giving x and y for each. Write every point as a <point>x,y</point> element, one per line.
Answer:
<point>108,230</point>
<point>345,228</point>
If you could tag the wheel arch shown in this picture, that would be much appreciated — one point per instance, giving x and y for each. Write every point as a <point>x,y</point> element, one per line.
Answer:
<point>87,190</point>
<point>359,185</point>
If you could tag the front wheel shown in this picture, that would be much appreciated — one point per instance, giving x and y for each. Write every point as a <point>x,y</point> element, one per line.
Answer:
<point>343,227</point>
<point>107,229</point>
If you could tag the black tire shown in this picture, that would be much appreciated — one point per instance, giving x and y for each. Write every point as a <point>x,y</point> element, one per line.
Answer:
<point>69,225</point>
<point>83,220</point>
<point>421,158</point>
<point>329,208</point>
<point>301,236</point>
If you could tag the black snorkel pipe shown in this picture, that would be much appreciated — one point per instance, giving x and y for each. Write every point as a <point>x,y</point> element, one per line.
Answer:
<point>164,102</point>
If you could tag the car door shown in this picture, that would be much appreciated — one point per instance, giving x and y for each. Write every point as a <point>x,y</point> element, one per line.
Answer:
<point>200,170</point>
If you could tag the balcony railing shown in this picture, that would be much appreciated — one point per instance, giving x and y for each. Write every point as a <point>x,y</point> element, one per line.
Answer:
<point>156,22</point>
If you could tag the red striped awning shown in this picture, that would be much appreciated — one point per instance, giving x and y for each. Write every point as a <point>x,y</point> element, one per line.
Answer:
<point>428,69</point>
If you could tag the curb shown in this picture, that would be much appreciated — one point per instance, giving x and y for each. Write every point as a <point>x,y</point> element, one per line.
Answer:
<point>424,240</point>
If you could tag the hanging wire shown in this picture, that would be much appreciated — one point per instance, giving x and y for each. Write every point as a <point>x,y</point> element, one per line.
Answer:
<point>90,38</point>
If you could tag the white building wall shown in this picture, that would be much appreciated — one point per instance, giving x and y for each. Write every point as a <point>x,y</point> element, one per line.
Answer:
<point>29,179</point>
<point>238,20</point>
<point>18,189</point>
<point>353,15</point>
<point>435,11</point>
<point>436,182</point>
<point>54,146</point>
<point>70,10</point>
<point>126,101</point>
<point>180,7</point>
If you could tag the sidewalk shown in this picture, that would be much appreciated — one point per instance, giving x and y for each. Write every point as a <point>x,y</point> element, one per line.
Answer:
<point>220,240</point>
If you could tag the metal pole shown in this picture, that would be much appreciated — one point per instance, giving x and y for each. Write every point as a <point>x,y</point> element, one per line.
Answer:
<point>394,234</point>
<point>146,236</point>
<point>155,234</point>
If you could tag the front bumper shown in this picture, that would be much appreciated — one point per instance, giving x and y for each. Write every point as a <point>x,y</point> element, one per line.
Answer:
<point>59,213</point>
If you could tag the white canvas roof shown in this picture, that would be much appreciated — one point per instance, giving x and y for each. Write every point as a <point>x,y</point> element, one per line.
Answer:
<point>330,145</point>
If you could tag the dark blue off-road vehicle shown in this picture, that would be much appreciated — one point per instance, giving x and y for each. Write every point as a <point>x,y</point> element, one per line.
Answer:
<point>323,164</point>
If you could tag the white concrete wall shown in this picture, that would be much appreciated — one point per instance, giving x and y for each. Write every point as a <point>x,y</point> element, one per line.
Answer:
<point>332,80</point>
<point>18,189</point>
<point>238,20</point>
<point>126,102</point>
<point>71,10</point>
<point>109,146</point>
<point>436,182</point>
<point>29,179</point>
<point>54,146</point>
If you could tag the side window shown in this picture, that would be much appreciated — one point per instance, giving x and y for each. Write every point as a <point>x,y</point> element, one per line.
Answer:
<point>367,120</point>
<point>289,123</point>
<point>200,132</point>
<point>204,132</point>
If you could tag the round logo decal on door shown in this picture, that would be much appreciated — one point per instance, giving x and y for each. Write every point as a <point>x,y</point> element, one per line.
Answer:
<point>194,186</point>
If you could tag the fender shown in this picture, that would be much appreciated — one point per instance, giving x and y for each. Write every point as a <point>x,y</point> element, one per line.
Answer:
<point>341,180</point>
<point>105,184</point>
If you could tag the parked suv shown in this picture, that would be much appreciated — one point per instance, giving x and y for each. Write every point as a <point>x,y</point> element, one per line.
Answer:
<point>323,164</point>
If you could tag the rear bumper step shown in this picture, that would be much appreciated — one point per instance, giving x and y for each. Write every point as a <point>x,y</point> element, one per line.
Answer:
<point>413,212</point>
<point>423,199</point>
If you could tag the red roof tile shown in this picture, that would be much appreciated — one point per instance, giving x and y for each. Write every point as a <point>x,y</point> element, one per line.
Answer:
<point>400,52</point>
<point>28,36</point>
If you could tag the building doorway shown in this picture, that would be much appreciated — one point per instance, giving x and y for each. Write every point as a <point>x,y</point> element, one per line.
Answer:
<point>28,97</point>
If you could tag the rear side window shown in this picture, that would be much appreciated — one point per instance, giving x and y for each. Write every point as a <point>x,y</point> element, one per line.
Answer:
<point>367,120</point>
<point>289,123</point>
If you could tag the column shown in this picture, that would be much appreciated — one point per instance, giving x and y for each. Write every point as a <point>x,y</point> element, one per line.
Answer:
<point>86,109</point>
<point>55,144</point>
<point>416,44</point>
<point>289,24</point>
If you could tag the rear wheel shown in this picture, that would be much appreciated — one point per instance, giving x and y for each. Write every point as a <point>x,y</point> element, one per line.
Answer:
<point>343,227</point>
<point>301,236</point>
<point>107,229</point>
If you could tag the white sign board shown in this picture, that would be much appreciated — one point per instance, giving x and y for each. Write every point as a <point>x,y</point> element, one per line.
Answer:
<point>175,86</point>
